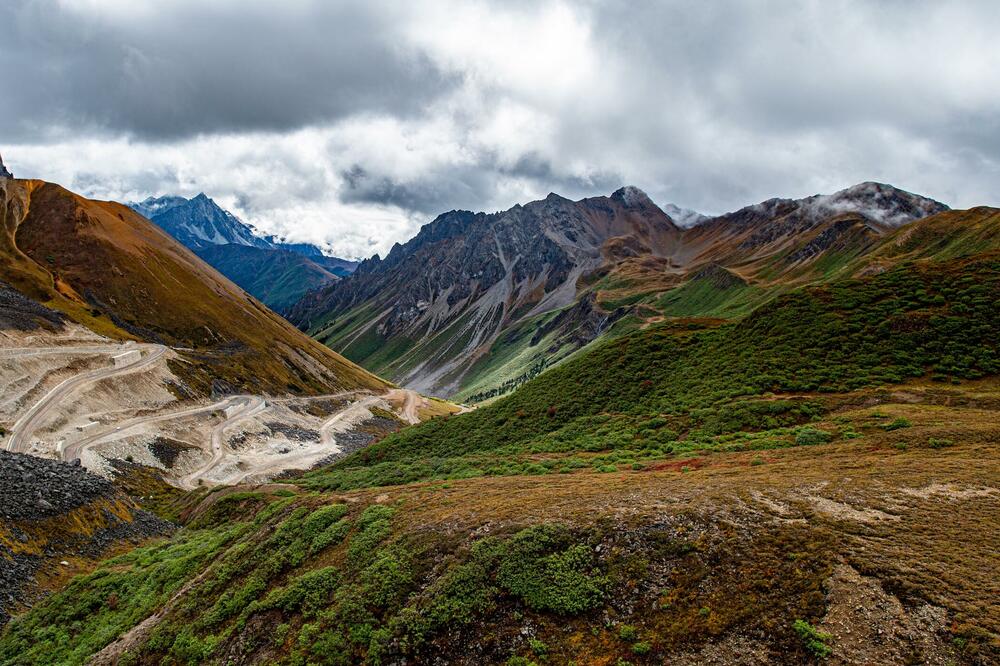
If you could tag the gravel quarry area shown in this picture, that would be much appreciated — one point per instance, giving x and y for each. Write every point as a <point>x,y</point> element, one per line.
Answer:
<point>72,395</point>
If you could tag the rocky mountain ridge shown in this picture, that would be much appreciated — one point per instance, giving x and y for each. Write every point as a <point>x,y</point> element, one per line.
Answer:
<point>434,307</point>
<point>276,272</point>
<point>465,277</point>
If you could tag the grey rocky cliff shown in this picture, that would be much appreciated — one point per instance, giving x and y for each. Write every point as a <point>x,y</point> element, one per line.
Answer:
<point>4,172</point>
<point>466,277</point>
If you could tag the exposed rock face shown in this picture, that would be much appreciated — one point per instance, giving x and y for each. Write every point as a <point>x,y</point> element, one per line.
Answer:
<point>33,488</point>
<point>4,173</point>
<point>425,313</point>
<point>465,277</point>
<point>852,217</point>
<point>21,313</point>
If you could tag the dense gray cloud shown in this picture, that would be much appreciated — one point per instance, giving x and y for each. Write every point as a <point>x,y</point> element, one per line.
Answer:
<point>352,123</point>
<point>176,69</point>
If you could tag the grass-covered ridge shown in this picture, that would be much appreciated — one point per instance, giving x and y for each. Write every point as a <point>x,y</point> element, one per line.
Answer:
<point>308,581</point>
<point>664,390</point>
<point>636,567</point>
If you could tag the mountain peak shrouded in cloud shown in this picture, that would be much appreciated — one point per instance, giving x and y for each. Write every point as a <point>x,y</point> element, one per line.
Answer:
<point>4,172</point>
<point>198,222</point>
<point>684,217</point>
<point>385,114</point>
<point>887,204</point>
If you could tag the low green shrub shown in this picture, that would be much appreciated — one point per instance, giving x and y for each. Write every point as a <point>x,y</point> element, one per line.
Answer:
<point>810,436</point>
<point>896,424</point>
<point>815,641</point>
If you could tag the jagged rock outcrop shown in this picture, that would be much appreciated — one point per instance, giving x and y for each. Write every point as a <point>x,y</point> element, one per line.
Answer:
<point>57,516</point>
<point>451,290</point>
<point>4,172</point>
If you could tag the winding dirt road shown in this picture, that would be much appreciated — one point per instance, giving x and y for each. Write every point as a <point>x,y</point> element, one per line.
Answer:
<point>238,408</point>
<point>24,428</point>
<point>78,448</point>
<point>23,352</point>
<point>251,404</point>
<point>326,437</point>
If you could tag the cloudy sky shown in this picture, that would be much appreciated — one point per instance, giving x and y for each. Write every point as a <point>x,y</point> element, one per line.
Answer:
<point>352,123</point>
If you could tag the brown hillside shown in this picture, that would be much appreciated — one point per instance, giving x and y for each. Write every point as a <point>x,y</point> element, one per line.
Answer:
<point>110,269</point>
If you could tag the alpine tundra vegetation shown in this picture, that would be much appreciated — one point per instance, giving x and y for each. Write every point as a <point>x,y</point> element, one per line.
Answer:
<point>484,333</point>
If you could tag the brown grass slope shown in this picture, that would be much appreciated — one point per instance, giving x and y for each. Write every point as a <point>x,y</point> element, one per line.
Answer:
<point>110,269</point>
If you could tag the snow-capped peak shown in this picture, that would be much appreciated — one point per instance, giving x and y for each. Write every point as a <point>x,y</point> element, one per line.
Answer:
<point>685,218</point>
<point>882,203</point>
<point>630,195</point>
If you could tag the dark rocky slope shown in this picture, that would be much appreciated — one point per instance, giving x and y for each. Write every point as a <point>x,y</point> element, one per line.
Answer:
<point>57,519</point>
<point>428,310</point>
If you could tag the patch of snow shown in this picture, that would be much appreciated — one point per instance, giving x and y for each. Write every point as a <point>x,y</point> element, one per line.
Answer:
<point>631,195</point>
<point>685,218</point>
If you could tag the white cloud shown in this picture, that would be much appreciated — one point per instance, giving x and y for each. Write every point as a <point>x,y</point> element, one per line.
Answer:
<point>352,124</point>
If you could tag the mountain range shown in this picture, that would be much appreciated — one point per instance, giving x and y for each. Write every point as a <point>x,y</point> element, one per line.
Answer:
<point>767,437</point>
<point>274,271</point>
<point>477,303</point>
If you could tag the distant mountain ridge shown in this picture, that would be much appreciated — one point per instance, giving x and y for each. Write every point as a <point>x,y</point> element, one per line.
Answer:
<point>200,221</point>
<point>428,306</point>
<point>278,273</point>
<point>478,300</point>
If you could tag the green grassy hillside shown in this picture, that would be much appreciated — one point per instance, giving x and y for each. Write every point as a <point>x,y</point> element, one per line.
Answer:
<point>276,277</point>
<point>668,390</point>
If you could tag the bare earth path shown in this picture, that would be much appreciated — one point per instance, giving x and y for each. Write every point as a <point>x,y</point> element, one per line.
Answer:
<point>251,404</point>
<point>22,430</point>
<point>76,449</point>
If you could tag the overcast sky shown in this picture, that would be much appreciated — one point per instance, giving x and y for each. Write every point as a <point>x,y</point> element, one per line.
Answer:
<point>350,124</point>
